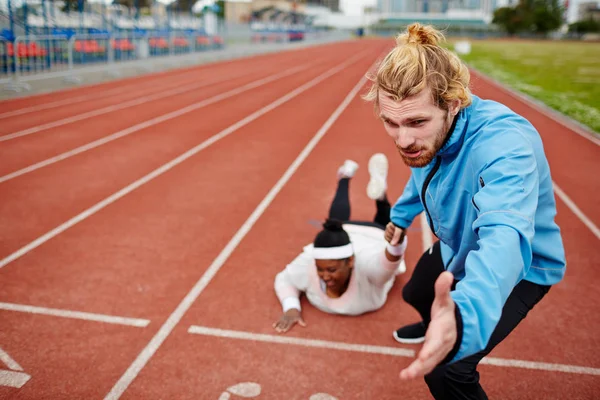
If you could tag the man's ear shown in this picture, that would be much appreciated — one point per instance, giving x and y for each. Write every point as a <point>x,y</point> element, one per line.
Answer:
<point>454,107</point>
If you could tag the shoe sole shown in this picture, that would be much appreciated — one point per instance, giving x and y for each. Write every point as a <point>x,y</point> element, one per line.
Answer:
<point>408,341</point>
<point>378,167</point>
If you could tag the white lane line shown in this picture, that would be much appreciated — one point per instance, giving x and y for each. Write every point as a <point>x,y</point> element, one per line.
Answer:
<point>258,337</point>
<point>573,207</point>
<point>390,351</point>
<point>70,100</point>
<point>164,331</point>
<point>183,88</point>
<point>102,95</point>
<point>540,366</point>
<point>9,362</point>
<point>425,232</point>
<point>55,312</point>
<point>174,162</point>
<point>149,123</point>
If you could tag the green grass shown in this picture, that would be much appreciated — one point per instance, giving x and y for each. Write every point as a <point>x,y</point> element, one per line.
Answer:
<point>563,75</point>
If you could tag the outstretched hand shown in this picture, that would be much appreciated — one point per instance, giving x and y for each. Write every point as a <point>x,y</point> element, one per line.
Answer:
<point>441,334</point>
<point>393,235</point>
<point>288,320</point>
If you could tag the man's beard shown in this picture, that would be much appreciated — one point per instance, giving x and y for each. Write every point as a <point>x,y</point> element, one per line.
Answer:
<point>427,153</point>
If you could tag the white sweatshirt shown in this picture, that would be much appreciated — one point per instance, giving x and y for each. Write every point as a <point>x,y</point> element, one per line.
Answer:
<point>371,279</point>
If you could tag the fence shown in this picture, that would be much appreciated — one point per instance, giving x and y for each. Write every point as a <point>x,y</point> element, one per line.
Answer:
<point>29,58</point>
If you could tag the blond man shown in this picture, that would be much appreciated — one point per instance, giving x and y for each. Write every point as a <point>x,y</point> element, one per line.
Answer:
<point>479,172</point>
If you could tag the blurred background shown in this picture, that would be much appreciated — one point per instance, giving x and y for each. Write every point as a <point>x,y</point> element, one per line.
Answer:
<point>93,40</point>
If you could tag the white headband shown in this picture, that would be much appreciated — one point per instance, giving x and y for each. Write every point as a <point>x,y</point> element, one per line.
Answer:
<point>333,253</point>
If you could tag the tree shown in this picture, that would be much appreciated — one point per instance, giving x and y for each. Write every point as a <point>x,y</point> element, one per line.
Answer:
<point>132,3</point>
<point>585,26</point>
<point>536,16</point>
<point>182,6</point>
<point>547,15</point>
<point>506,17</point>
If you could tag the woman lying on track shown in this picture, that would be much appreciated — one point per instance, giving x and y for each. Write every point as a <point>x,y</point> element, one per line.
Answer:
<point>349,268</point>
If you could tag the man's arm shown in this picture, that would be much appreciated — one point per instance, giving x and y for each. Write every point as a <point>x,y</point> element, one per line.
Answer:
<point>463,320</point>
<point>408,205</point>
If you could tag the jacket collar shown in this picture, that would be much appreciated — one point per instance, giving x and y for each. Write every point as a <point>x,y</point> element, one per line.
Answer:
<point>454,139</point>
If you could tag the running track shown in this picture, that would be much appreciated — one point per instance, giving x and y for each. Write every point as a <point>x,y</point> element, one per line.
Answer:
<point>143,222</point>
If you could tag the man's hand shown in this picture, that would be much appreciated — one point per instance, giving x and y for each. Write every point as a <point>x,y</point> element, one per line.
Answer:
<point>288,320</point>
<point>441,334</point>
<point>394,235</point>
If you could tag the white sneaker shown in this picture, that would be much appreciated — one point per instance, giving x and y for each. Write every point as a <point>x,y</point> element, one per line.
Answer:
<point>378,169</point>
<point>347,170</point>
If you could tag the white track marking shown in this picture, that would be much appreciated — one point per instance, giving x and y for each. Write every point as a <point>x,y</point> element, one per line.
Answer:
<point>9,362</point>
<point>164,331</point>
<point>425,232</point>
<point>58,103</point>
<point>540,366</point>
<point>325,344</point>
<point>245,389</point>
<point>101,95</point>
<point>55,312</point>
<point>149,123</point>
<point>183,88</point>
<point>390,351</point>
<point>174,162</point>
<point>573,207</point>
<point>13,378</point>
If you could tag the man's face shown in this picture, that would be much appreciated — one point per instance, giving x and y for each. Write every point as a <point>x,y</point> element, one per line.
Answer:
<point>417,126</point>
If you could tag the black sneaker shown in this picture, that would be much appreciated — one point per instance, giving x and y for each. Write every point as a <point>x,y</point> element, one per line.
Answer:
<point>414,333</point>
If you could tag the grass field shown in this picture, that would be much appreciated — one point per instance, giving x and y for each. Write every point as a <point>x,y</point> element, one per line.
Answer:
<point>563,75</point>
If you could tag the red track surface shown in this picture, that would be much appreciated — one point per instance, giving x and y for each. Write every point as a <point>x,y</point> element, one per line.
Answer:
<point>140,255</point>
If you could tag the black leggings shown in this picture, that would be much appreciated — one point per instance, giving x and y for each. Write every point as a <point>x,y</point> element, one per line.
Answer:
<point>460,380</point>
<point>340,207</point>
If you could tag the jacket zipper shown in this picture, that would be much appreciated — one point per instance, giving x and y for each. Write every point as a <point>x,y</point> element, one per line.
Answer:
<point>482,183</point>
<point>438,161</point>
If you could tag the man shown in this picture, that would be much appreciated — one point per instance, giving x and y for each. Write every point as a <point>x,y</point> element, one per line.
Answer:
<point>349,268</point>
<point>479,173</point>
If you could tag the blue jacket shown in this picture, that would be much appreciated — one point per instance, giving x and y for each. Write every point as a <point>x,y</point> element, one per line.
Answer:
<point>488,197</point>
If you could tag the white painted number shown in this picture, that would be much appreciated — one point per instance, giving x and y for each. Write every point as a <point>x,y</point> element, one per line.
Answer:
<point>249,390</point>
<point>14,375</point>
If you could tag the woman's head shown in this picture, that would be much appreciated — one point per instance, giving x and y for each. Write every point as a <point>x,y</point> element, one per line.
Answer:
<point>334,255</point>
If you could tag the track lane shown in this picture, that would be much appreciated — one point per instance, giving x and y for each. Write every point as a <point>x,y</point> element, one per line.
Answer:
<point>97,89</point>
<point>140,254</point>
<point>196,366</point>
<point>127,240</point>
<point>27,151</point>
<point>30,121</point>
<point>39,201</point>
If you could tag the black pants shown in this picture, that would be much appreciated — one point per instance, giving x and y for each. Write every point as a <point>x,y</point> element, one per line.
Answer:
<point>460,380</point>
<point>340,207</point>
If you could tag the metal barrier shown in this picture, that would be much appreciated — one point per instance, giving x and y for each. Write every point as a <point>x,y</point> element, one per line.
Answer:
<point>6,61</point>
<point>32,58</point>
<point>34,55</point>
